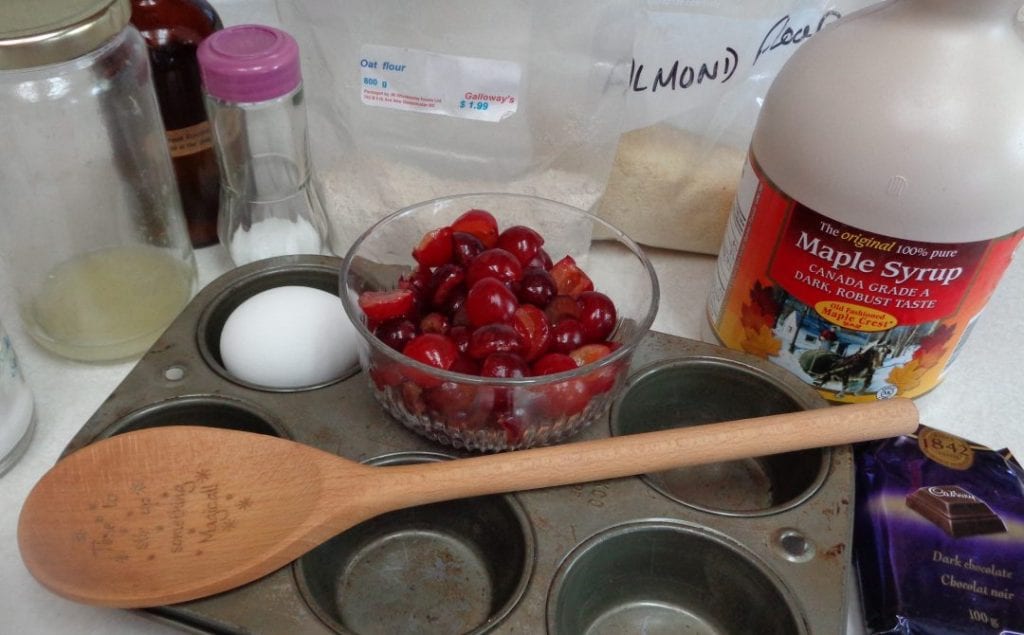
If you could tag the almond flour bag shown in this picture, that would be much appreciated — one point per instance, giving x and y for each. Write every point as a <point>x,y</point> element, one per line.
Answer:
<point>699,72</point>
<point>410,101</point>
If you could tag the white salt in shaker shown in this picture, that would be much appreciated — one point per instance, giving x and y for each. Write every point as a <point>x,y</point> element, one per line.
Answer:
<point>16,406</point>
<point>269,204</point>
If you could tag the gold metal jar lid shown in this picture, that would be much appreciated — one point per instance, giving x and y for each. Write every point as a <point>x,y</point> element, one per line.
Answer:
<point>40,32</point>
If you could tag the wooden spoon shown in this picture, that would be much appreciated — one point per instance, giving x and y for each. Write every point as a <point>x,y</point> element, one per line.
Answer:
<point>170,514</point>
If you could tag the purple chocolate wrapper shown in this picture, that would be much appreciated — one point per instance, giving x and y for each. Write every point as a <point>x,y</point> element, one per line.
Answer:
<point>939,536</point>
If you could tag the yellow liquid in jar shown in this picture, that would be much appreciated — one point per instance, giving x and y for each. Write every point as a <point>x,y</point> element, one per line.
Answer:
<point>111,303</point>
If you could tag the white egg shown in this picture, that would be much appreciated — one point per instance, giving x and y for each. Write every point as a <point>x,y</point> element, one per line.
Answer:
<point>289,337</point>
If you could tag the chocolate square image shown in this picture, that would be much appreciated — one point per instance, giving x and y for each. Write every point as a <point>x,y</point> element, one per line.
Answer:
<point>955,510</point>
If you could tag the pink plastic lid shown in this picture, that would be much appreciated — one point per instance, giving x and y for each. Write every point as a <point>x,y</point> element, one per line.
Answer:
<point>249,63</point>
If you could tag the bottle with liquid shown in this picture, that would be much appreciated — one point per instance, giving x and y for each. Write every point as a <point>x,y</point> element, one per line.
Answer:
<point>270,205</point>
<point>173,30</point>
<point>882,198</point>
<point>91,228</point>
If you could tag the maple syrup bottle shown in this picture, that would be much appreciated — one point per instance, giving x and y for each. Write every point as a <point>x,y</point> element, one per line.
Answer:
<point>173,30</point>
<point>875,218</point>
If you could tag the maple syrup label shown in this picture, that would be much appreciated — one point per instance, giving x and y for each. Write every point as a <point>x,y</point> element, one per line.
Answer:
<point>858,315</point>
<point>190,140</point>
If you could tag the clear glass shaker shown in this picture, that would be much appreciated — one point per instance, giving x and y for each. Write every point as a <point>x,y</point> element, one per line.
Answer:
<point>17,408</point>
<point>269,203</point>
<point>91,227</point>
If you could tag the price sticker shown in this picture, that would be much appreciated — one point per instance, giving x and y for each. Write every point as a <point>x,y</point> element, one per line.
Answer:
<point>440,84</point>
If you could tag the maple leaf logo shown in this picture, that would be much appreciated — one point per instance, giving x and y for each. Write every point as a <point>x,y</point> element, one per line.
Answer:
<point>908,376</point>
<point>761,342</point>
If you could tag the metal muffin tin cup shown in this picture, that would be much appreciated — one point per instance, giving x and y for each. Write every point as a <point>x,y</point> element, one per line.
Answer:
<point>706,389</point>
<point>660,577</point>
<point>772,543</point>
<point>453,567</point>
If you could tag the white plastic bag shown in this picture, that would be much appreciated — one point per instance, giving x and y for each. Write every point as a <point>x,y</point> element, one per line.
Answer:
<point>410,101</point>
<point>700,71</point>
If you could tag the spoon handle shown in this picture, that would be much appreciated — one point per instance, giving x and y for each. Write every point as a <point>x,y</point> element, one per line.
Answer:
<point>650,452</point>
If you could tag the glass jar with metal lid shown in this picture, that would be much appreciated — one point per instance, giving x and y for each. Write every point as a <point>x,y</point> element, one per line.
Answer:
<point>91,227</point>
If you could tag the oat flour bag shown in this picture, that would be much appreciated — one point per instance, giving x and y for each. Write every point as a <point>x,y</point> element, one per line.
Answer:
<point>410,101</point>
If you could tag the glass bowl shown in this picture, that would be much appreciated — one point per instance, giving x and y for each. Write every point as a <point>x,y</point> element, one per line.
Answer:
<point>495,414</point>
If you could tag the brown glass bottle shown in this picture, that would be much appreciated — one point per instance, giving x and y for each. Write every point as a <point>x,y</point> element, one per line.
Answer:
<point>173,30</point>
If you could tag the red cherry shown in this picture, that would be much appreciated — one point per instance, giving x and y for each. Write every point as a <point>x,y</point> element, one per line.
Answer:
<point>494,338</point>
<point>533,327</point>
<point>460,316</point>
<point>432,349</point>
<point>480,223</point>
<point>536,287</point>
<point>602,379</point>
<point>434,323</point>
<point>435,248</point>
<point>553,363</point>
<point>446,282</point>
<point>597,315</point>
<point>570,280</point>
<point>494,263</point>
<point>541,260</point>
<point>488,302</point>
<point>566,336</point>
<point>513,427</point>
<point>565,398</point>
<point>467,247</point>
<point>453,304</point>
<point>522,242</point>
<point>460,335</point>
<point>504,366</point>
<point>412,398</point>
<point>386,374</point>
<point>560,308</point>
<point>589,353</point>
<point>466,365</point>
<point>460,405</point>
<point>386,305</point>
<point>418,280</point>
<point>396,333</point>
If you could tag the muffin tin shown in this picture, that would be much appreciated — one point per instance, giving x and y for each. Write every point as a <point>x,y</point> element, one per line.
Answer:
<point>759,545</point>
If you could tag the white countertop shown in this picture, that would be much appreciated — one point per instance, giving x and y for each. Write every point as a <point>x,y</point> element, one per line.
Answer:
<point>978,400</point>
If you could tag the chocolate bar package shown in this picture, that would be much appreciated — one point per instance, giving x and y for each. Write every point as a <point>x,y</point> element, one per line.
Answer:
<point>939,536</point>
